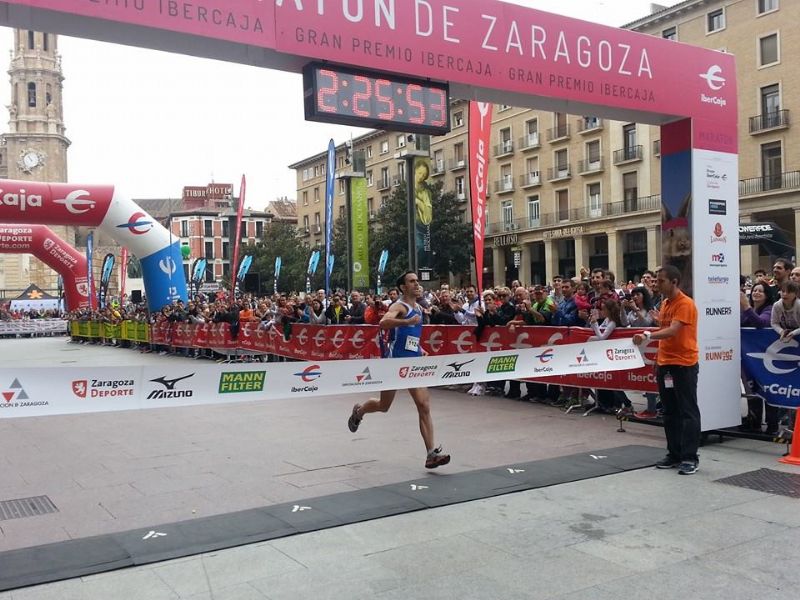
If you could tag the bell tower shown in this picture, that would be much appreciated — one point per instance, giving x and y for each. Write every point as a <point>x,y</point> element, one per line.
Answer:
<point>35,146</point>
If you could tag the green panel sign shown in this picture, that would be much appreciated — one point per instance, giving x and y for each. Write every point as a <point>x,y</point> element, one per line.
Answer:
<point>359,232</point>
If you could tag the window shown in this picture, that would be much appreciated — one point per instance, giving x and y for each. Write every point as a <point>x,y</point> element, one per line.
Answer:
<point>316,195</point>
<point>244,229</point>
<point>46,40</point>
<point>771,165</point>
<point>531,133</point>
<point>369,151</point>
<point>305,223</point>
<point>31,40</point>
<point>226,270</point>
<point>208,228</point>
<point>770,104</point>
<point>458,118</point>
<point>306,175</point>
<point>317,223</point>
<point>593,196</point>
<point>384,200</point>
<point>562,202</point>
<point>259,229</point>
<point>438,161</point>
<point>401,171</point>
<point>507,211</point>
<point>342,186</point>
<point>458,149</point>
<point>209,250</point>
<point>629,135</point>
<point>401,141</point>
<point>765,6</point>
<point>384,146</point>
<point>506,178</point>
<point>305,198</point>
<point>533,211</point>
<point>341,212</point>
<point>460,187</point>
<point>385,177</point>
<point>670,34</point>
<point>593,153</point>
<point>532,170</point>
<point>371,206</point>
<point>32,94</point>
<point>630,190</point>
<point>48,95</point>
<point>715,20</point>
<point>505,141</point>
<point>562,163</point>
<point>768,52</point>
<point>340,162</point>
<point>184,228</point>
<point>226,251</point>
<point>503,107</point>
<point>370,178</point>
<point>209,274</point>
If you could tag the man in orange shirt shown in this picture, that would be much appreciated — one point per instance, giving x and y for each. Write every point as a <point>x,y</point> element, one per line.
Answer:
<point>677,372</point>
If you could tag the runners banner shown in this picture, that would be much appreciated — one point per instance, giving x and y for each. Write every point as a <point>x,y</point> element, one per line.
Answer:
<point>773,366</point>
<point>480,128</point>
<point>28,392</point>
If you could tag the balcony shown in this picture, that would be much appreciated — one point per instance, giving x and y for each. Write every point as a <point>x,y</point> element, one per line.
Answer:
<point>628,154</point>
<point>383,184</point>
<point>531,179</point>
<point>770,183</point>
<point>503,148</point>
<point>587,167</point>
<point>461,196</point>
<point>306,231</point>
<point>456,164</point>
<point>657,148</point>
<point>559,133</point>
<point>589,125</point>
<point>560,172</point>
<point>580,214</point>
<point>530,141</point>
<point>317,229</point>
<point>504,185</point>
<point>437,167</point>
<point>778,119</point>
<point>398,180</point>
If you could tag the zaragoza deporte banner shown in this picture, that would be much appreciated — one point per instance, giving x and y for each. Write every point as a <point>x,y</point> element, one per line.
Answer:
<point>359,233</point>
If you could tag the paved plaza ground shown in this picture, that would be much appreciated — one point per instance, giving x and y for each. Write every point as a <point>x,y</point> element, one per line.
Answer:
<point>641,533</point>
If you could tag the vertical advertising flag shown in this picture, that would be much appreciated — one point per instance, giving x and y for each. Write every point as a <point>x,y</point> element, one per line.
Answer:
<point>480,127</point>
<point>423,201</point>
<point>105,279</point>
<point>278,263</point>
<point>313,261</point>
<point>359,233</point>
<point>384,258</point>
<point>123,272</point>
<point>330,174</point>
<point>198,273</point>
<point>89,257</point>
<point>238,239</point>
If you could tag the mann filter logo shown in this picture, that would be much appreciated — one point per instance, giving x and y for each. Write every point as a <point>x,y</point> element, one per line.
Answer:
<point>169,390</point>
<point>238,382</point>
<point>417,372</point>
<point>502,364</point>
<point>718,311</point>
<point>363,378</point>
<point>456,371</point>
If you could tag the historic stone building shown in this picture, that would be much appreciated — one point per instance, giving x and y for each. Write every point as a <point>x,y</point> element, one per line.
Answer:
<point>35,145</point>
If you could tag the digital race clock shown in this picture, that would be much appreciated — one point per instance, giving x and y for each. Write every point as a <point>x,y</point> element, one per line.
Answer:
<point>368,99</point>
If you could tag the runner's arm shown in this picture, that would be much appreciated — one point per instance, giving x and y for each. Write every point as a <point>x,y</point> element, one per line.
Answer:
<point>394,317</point>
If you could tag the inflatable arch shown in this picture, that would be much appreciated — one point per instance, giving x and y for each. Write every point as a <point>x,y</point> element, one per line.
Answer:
<point>44,244</point>
<point>119,217</point>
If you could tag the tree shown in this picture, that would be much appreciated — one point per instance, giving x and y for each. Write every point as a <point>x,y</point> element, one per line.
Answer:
<point>280,239</point>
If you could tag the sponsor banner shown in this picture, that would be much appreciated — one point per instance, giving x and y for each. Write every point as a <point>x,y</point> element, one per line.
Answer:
<point>359,233</point>
<point>237,240</point>
<point>423,215</point>
<point>90,267</point>
<point>480,129</point>
<point>330,176</point>
<point>26,392</point>
<point>164,280</point>
<point>773,365</point>
<point>33,326</point>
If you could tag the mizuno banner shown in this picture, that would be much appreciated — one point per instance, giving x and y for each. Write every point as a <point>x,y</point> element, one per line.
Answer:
<point>480,128</point>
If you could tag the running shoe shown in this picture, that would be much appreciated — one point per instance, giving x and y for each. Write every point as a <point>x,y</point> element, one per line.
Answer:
<point>436,458</point>
<point>646,415</point>
<point>354,421</point>
<point>687,468</point>
<point>668,462</point>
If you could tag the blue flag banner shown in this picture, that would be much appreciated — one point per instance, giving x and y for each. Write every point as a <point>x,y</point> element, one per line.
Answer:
<point>773,365</point>
<point>329,270</point>
<point>330,176</point>
<point>382,262</point>
<point>244,268</point>
<point>313,262</point>
<point>199,270</point>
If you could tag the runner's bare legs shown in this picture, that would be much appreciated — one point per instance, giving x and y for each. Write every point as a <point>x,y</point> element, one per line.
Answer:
<point>422,400</point>
<point>372,405</point>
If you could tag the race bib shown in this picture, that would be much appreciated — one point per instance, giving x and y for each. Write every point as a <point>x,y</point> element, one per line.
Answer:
<point>412,343</point>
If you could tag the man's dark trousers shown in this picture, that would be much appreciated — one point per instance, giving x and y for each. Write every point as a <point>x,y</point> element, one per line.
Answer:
<point>681,413</point>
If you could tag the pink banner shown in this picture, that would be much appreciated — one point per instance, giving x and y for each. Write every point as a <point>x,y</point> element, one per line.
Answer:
<point>54,203</point>
<point>237,241</point>
<point>480,129</point>
<point>123,272</point>
<point>41,242</point>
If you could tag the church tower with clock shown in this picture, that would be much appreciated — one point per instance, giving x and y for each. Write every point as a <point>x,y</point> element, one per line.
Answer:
<point>35,145</point>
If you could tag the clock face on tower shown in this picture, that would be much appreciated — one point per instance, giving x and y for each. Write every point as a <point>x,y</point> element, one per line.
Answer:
<point>30,160</point>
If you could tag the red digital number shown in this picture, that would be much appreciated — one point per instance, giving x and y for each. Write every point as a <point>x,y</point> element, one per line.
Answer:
<point>328,93</point>
<point>364,96</point>
<point>417,104</point>
<point>380,85</point>
<point>438,108</point>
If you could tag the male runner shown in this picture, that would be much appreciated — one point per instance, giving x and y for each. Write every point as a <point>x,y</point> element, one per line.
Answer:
<point>405,318</point>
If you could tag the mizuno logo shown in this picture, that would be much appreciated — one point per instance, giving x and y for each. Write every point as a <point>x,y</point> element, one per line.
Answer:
<point>457,366</point>
<point>170,383</point>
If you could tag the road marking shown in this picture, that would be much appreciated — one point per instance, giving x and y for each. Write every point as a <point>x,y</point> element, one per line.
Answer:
<point>597,456</point>
<point>298,508</point>
<point>154,534</point>
<point>416,487</point>
<point>510,470</point>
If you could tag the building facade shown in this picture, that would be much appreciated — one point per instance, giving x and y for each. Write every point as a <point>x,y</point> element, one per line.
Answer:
<point>571,191</point>
<point>35,146</point>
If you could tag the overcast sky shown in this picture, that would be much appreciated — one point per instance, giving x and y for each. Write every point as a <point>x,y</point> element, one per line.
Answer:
<point>152,122</point>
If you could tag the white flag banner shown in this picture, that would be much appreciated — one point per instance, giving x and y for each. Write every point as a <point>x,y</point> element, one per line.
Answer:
<point>27,327</point>
<point>28,392</point>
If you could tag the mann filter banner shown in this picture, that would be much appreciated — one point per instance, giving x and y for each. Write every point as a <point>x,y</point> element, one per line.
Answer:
<point>423,201</point>
<point>359,233</point>
<point>773,365</point>
<point>42,391</point>
<point>480,129</point>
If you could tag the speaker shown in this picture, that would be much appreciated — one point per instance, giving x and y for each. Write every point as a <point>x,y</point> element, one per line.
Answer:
<point>252,282</point>
<point>136,296</point>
